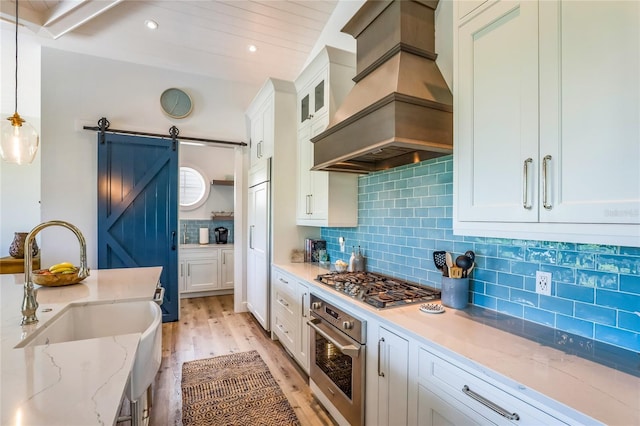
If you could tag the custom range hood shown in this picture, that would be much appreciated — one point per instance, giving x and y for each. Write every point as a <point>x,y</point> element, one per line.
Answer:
<point>400,110</point>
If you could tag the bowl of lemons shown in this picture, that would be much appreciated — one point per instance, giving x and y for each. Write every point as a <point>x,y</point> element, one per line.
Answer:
<point>340,266</point>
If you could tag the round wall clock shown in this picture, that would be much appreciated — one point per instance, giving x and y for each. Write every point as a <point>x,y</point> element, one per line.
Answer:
<point>176,103</point>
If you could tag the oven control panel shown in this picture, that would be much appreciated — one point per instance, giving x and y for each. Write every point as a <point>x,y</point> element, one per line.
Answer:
<point>337,317</point>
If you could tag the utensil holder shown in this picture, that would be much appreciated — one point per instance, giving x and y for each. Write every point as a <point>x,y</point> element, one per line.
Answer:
<point>455,292</point>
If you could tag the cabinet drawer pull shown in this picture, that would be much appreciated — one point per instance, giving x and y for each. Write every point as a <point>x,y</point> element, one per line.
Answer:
<point>545,200</point>
<point>495,407</point>
<point>304,314</point>
<point>380,373</point>
<point>283,281</point>
<point>525,183</point>
<point>283,302</point>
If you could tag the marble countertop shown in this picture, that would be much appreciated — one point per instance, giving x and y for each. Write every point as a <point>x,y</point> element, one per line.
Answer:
<point>206,245</point>
<point>543,373</point>
<point>72,383</point>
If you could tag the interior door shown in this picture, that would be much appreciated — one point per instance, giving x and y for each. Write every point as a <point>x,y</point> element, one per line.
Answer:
<point>138,209</point>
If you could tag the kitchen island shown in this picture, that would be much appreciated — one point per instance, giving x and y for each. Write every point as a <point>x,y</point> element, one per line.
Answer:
<point>538,372</point>
<point>73,383</point>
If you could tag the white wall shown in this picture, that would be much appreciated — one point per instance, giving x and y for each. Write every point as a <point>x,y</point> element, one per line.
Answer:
<point>444,40</point>
<point>19,185</point>
<point>214,163</point>
<point>331,35</point>
<point>78,90</point>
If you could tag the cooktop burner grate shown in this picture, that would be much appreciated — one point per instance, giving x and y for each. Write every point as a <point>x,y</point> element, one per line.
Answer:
<point>378,290</point>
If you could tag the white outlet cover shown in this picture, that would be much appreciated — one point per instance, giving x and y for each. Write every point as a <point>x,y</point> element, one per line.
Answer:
<point>543,283</point>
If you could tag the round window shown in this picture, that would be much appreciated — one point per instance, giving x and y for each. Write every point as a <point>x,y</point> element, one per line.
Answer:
<point>194,189</point>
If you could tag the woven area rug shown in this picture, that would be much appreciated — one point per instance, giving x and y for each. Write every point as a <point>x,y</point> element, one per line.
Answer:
<point>235,389</point>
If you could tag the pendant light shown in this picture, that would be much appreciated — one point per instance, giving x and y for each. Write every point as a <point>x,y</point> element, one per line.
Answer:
<point>18,139</point>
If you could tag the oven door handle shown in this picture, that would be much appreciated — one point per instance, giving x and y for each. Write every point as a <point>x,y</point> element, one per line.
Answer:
<point>349,349</point>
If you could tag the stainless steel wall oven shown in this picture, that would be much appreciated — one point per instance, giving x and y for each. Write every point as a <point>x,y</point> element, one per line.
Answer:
<point>337,350</point>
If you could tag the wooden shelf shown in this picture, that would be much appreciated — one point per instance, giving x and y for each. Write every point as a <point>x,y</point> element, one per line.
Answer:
<point>222,182</point>
<point>222,217</point>
<point>10,265</point>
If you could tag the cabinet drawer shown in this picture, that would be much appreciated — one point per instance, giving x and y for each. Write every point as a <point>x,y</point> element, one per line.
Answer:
<point>482,397</point>
<point>208,252</point>
<point>284,302</point>
<point>284,329</point>
<point>284,283</point>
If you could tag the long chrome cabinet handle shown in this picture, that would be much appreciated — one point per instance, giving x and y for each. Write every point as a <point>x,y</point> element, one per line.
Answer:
<point>308,203</point>
<point>545,201</point>
<point>525,183</point>
<point>380,342</point>
<point>304,295</point>
<point>251,236</point>
<point>350,350</point>
<point>493,406</point>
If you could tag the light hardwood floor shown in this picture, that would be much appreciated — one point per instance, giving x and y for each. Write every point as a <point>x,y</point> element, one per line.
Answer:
<point>208,327</point>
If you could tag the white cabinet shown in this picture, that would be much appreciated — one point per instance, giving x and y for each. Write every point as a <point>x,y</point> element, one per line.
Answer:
<point>226,268</point>
<point>312,100</point>
<point>323,198</point>
<point>393,376</point>
<point>533,146</point>
<point>271,206</point>
<point>302,345</point>
<point>451,394</point>
<point>206,268</point>
<point>290,301</point>
<point>258,221</point>
<point>262,130</point>
<point>436,411</point>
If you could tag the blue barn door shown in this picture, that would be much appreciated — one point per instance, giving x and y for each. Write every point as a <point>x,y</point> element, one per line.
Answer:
<point>138,209</point>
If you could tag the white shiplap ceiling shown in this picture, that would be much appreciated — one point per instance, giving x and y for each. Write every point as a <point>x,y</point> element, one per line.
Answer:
<point>208,37</point>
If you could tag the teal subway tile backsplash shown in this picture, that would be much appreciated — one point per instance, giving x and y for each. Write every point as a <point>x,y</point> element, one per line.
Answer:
<point>406,213</point>
<point>190,230</point>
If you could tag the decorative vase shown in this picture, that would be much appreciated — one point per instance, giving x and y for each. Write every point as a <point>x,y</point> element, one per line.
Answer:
<point>16,249</point>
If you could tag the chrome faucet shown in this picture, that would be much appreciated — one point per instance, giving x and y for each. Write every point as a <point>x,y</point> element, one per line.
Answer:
<point>29,302</point>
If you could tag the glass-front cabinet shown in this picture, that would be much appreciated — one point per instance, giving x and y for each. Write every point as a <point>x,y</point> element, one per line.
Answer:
<point>313,100</point>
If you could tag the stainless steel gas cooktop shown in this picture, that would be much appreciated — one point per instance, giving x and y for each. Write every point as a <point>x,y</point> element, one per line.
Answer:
<point>378,290</point>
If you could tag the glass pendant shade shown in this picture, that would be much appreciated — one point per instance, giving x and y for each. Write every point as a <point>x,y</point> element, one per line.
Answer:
<point>18,141</point>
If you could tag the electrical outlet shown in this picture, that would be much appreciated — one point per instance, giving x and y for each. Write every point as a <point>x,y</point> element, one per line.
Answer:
<point>543,283</point>
<point>341,242</point>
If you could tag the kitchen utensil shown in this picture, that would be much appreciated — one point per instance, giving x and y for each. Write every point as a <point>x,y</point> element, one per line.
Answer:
<point>473,265</point>
<point>449,260</point>
<point>465,263</point>
<point>439,258</point>
<point>455,272</point>
<point>470,254</point>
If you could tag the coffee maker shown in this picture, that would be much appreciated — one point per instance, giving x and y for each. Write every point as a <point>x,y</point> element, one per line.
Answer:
<point>221,234</point>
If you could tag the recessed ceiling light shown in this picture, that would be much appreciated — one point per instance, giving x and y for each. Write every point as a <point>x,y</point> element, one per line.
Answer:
<point>151,24</point>
<point>252,48</point>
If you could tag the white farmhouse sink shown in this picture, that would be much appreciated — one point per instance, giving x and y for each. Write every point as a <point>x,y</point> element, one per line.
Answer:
<point>93,320</point>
